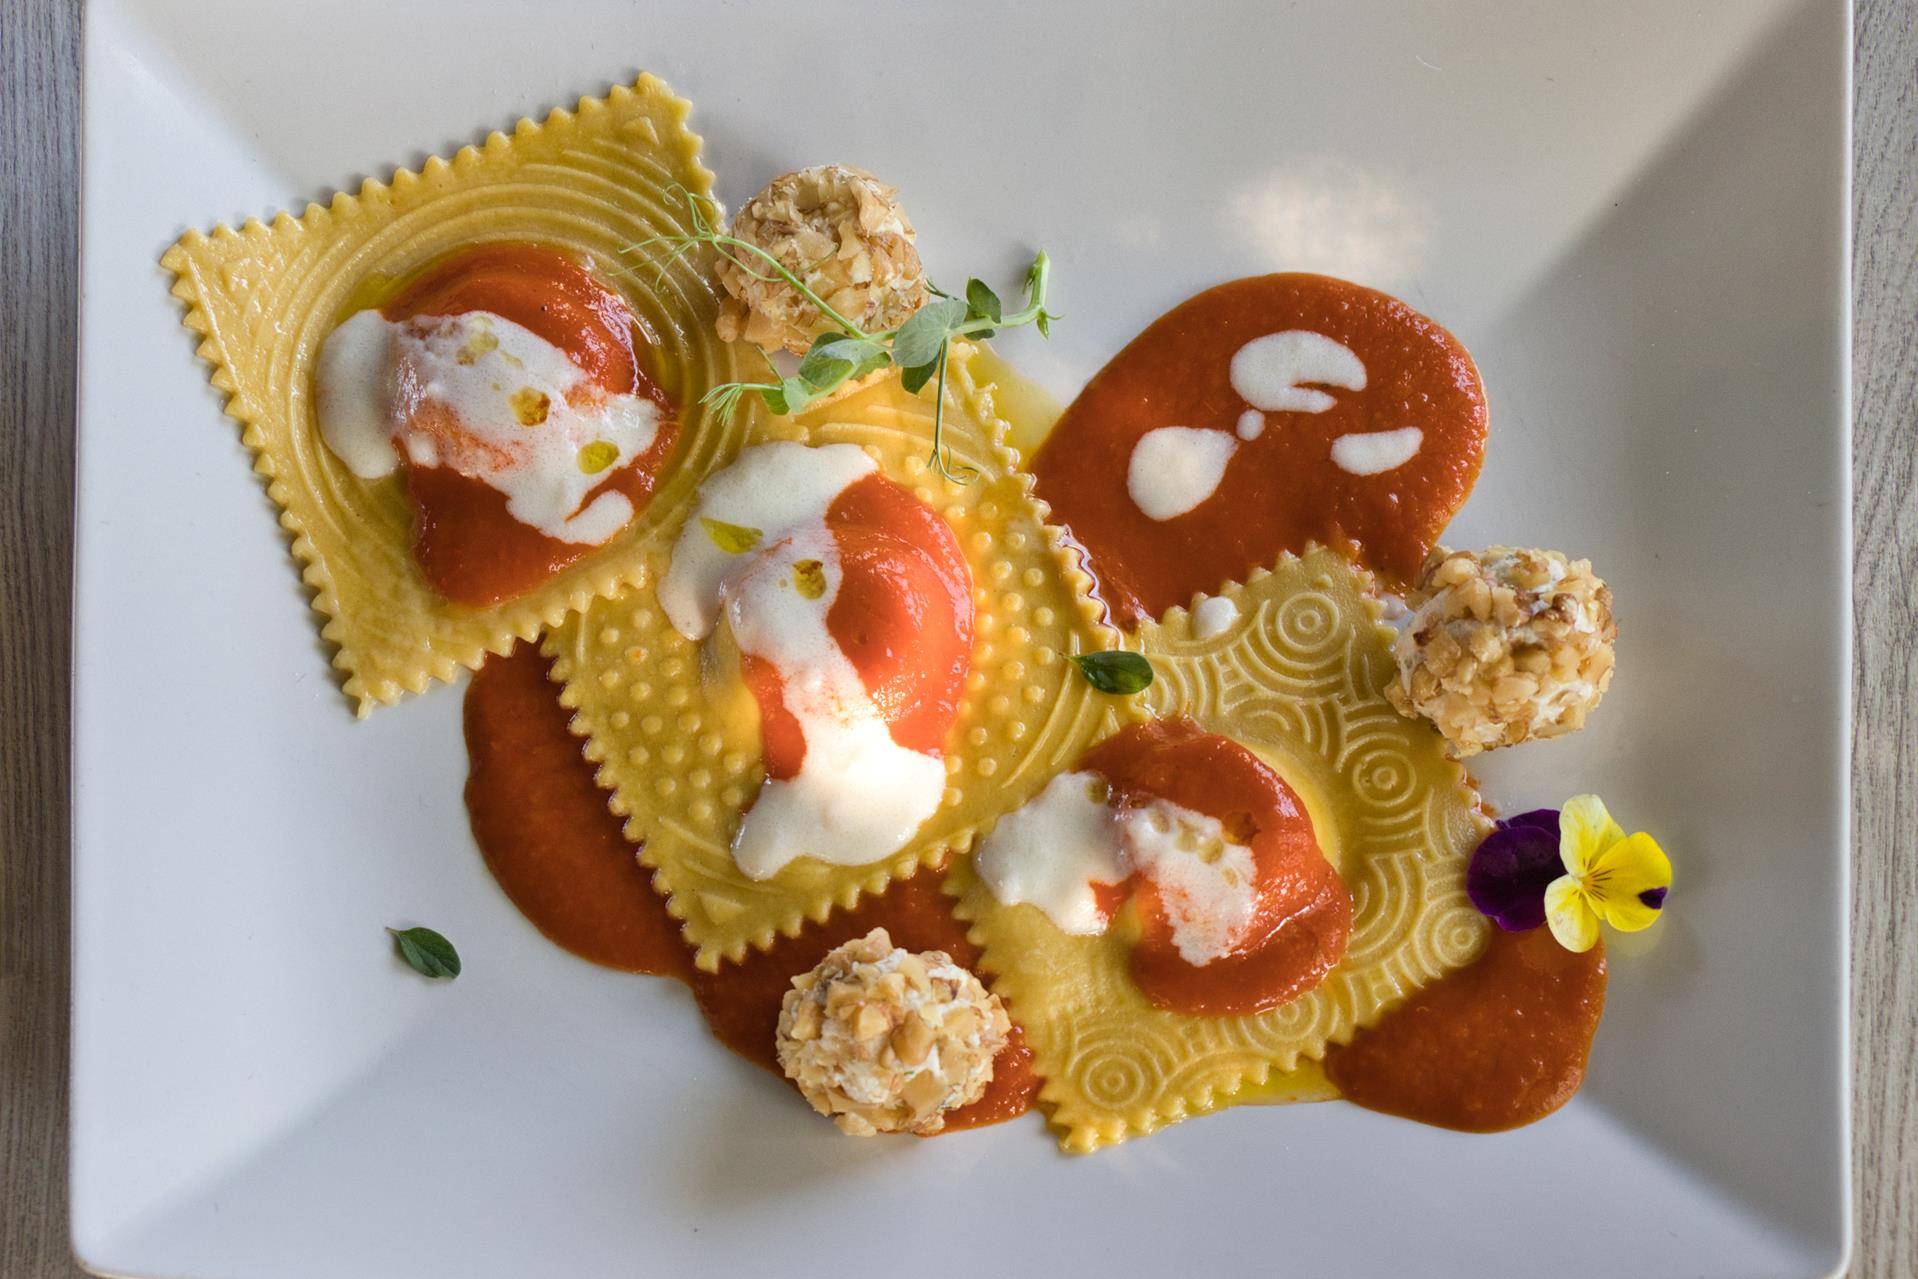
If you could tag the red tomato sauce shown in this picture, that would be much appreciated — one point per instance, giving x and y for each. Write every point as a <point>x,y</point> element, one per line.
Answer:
<point>1303,913</point>
<point>545,831</point>
<point>469,547</point>
<point>543,826</point>
<point>1281,490</point>
<point>902,616</point>
<point>1498,1044</point>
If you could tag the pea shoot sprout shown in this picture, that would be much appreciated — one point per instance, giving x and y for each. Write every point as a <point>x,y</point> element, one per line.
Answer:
<point>919,348</point>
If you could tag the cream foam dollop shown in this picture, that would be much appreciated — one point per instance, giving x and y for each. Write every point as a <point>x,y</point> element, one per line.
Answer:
<point>1273,372</point>
<point>1376,452</point>
<point>1175,469</point>
<point>1053,851</point>
<point>858,795</point>
<point>490,399</point>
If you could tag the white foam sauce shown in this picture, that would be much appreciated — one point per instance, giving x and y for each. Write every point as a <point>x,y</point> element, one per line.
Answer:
<point>773,489</point>
<point>456,391</point>
<point>1207,883</point>
<point>1214,616</point>
<point>353,392</point>
<point>1274,372</point>
<point>1054,849</point>
<point>858,795</point>
<point>1376,452</point>
<point>1251,425</point>
<point>1174,469</point>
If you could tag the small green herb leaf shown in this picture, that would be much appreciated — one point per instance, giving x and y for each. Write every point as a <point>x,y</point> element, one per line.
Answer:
<point>824,368</point>
<point>836,358</point>
<point>795,394</point>
<point>981,302</point>
<point>430,954</point>
<point>919,338</point>
<point>914,378</point>
<point>734,539</point>
<point>1115,671</point>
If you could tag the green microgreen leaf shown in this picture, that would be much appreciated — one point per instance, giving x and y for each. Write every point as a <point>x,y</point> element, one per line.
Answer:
<point>919,338</point>
<point>824,368</point>
<point>918,348</point>
<point>734,539</point>
<point>836,358</point>
<point>1115,671</point>
<point>430,954</point>
<point>797,393</point>
<point>981,302</point>
<point>914,378</point>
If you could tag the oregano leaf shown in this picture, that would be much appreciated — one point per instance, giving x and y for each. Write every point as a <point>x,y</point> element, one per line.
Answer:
<point>430,954</point>
<point>1115,671</point>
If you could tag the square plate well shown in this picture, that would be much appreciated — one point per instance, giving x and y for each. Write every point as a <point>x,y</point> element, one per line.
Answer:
<point>1634,214</point>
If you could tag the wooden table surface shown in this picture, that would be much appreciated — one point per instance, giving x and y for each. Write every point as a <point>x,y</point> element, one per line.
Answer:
<point>39,142</point>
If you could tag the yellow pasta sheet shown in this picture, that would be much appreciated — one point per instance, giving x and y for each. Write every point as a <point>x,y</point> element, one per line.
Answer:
<point>680,753</point>
<point>1298,678</point>
<point>591,181</point>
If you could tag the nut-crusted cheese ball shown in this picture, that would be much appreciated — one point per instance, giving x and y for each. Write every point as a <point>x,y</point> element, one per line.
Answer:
<point>840,230</point>
<point>883,1040</point>
<point>1504,645</point>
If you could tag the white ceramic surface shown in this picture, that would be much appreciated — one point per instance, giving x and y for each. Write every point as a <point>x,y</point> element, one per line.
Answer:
<point>1633,213</point>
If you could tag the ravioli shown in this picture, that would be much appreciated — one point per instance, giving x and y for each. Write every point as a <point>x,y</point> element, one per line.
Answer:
<point>676,743</point>
<point>1297,675</point>
<point>590,182</point>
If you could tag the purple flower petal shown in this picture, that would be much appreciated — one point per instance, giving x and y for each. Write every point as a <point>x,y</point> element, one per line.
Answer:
<point>1654,897</point>
<point>1511,868</point>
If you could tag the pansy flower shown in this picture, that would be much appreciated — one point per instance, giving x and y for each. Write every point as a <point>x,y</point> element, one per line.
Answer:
<point>1609,875</point>
<point>1573,869</point>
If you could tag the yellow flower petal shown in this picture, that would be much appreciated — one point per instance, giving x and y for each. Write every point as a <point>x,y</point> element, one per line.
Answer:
<point>1569,914</point>
<point>1621,874</point>
<point>1585,830</point>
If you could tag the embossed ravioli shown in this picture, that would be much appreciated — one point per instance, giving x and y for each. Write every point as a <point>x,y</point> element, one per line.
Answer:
<point>1299,679</point>
<point>678,751</point>
<point>590,181</point>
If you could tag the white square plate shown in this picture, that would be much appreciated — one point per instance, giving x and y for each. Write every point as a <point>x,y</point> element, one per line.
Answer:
<point>1635,215</point>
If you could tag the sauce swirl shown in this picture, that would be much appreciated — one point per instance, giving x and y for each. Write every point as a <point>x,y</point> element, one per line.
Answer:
<point>466,541</point>
<point>1174,481</point>
<point>544,829</point>
<point>1301,914</point>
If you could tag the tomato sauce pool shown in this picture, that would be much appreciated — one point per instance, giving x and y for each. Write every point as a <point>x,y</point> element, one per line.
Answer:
<point>543,826</point>
<point>1497,1044</point>
<point>1302,914</point>
<point>466,543</point>
<point>903,616</point>
<point>1342,381</point>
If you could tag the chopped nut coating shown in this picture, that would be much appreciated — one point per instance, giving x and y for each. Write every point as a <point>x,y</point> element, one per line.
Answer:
<point>886,1041</point>
<point>1504,646</point>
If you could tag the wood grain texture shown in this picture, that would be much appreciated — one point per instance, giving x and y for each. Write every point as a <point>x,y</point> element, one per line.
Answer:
<point>39,209</point>
<point>39,93</point>
<point>1885,614</point>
